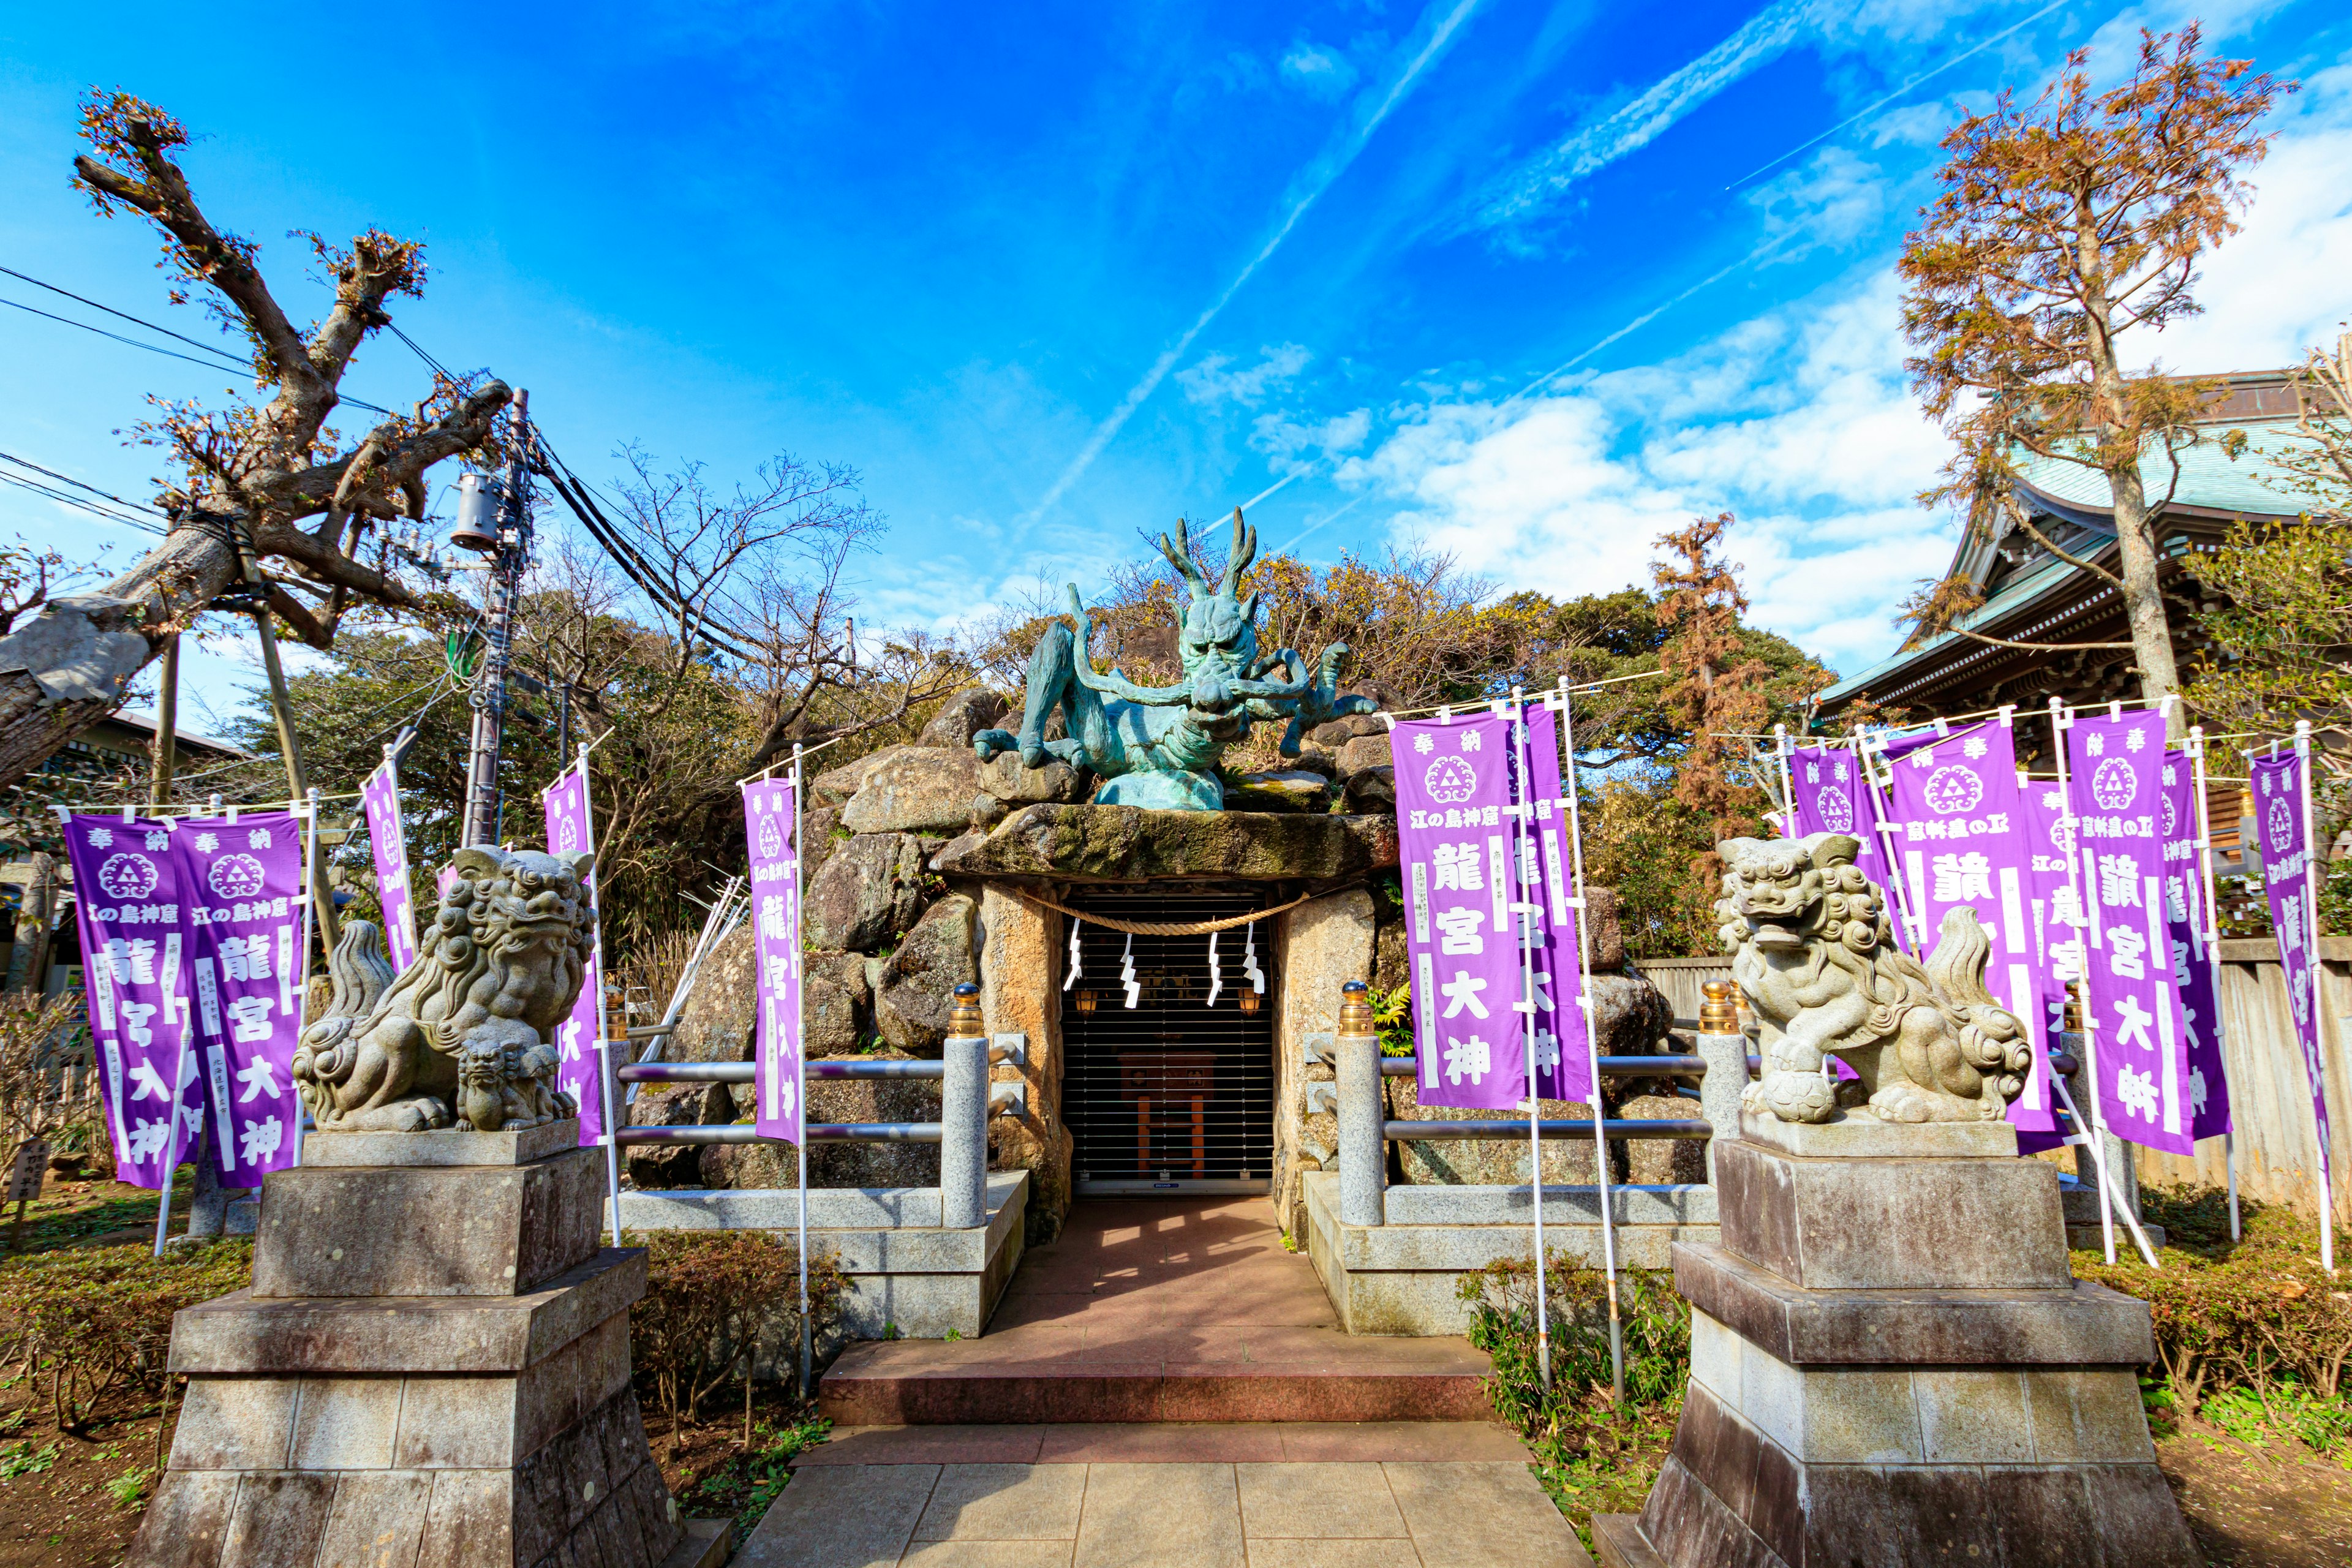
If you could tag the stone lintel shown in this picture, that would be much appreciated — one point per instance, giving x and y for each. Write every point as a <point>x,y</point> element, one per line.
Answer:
<point>1868,1222</point>
<point>1861,1132</point>
<point>244,1334</point>
<point>2087,1324</point>
<point>421,1230</point>
<point>1126,843</point>
<point>449,1146</point>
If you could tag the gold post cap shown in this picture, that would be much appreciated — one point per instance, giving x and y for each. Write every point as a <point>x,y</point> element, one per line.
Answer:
<point>963,1018</point>
<point>1354,1009</point>
<point>1717,1015</point>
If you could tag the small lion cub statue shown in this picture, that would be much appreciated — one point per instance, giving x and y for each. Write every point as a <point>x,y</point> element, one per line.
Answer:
<point>1812,951</point>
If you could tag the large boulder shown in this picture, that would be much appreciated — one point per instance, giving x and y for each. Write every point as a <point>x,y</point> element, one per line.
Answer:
<point>835,785</point>
<point>715,1025</point>
<point>1126,843</point>
<point>961,717</point>
<point>833,1022</point>
<point>1281,789</point>
<point>868,890</point>
<point>860,1164</point>
<point>1003,778</point>
<point>1339,731</point>
<point>918,987</point>
<point>915,789</point>
<point>1372,792</point>
<point>674,1105</point>
<point>1362,754</point>
<point>1606,927</point>
<point>817,839</point>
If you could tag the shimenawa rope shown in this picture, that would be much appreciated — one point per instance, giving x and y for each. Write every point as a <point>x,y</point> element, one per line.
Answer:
<point>1164,928</point>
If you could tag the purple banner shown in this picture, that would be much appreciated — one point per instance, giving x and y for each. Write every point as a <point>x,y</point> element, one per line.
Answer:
<point>1546,880</point>
<point>1959,825</point>
<point>380,800</point>
<point>772,833</point>
<point>2192,960</point>
<point>1831,797</point>
<point>1453,783</point>
<point>2278,787</point>
<point>2139,1038</point>
<point>570,830</point>
<point>127,898</point>
<point>242,880</point>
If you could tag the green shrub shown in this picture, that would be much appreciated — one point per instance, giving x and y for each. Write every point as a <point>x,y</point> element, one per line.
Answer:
<point>713,1301</point>
<point>2253,1325</point>
<point>84,1322</point>
<point>1592,1454</point>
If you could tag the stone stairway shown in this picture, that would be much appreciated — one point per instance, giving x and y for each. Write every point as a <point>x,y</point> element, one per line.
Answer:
<point>1159,1311</point>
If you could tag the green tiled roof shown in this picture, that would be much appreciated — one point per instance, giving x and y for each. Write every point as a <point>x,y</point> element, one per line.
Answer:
<point>2209,478</point>
<point>2252,483</point>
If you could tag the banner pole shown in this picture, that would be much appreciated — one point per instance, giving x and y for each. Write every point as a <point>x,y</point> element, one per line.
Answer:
<point>1522,909</point>
<point>605,1080</point>
<point>1788,783</point>
<point>313,888</point>
<point>2095,1132</point>
<point>2212,923</point>
<point>1591,1045</point>
<point>800,1099</point>
<point>2318,974</point>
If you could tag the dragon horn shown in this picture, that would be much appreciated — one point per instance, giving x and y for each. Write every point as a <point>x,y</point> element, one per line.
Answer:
<point>1180,556</point>
<point>1245,552</point>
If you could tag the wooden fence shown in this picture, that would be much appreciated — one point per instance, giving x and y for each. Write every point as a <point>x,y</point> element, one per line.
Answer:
<point>2270,1096</point>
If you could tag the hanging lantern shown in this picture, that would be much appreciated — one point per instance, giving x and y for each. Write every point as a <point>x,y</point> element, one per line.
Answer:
<point>1086,1001</point>
<point>1251,1000</point>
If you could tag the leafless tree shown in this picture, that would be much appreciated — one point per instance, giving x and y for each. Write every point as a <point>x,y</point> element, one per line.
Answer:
<point>254,473</point>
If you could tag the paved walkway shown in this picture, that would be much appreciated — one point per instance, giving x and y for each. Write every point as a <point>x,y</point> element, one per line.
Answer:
<point>1181,1515</point>
<point>1159,1310</point>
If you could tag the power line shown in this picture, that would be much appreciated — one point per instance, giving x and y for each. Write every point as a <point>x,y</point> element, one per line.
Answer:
<point>69,478</point>
<point>66,498</point>
<point>246,364</point>
<point>227,360</point>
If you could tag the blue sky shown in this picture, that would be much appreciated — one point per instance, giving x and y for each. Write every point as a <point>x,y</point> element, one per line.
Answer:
<point>1522,281</point>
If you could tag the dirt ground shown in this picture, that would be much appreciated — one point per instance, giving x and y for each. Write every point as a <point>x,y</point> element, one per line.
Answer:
<point>2275,1507</point>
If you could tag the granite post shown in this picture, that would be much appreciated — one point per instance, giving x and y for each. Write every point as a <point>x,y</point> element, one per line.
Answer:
<point>1892,1364</point>
<point>431,1367</point>
<point>1724,1049</point>
<point>963,1115</point>
<point>1363,1152</point>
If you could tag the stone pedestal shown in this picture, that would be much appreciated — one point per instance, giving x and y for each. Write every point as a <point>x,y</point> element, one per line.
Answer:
<point>431,1369</point>
<point>1891,1363</point>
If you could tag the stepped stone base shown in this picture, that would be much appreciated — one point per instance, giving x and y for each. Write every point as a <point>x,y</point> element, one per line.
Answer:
<point>1891,1365</point>
<point>432,1369</point>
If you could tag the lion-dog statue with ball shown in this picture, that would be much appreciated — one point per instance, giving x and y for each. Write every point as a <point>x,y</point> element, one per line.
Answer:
<point>465,1037</point>
<point>1814,952</point>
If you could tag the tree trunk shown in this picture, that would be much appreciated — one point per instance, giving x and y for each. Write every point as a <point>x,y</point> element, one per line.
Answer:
<point>2151,629</point>
<point>70,665</point>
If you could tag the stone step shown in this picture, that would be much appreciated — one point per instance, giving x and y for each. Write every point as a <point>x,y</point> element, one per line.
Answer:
<point>880,1384</point>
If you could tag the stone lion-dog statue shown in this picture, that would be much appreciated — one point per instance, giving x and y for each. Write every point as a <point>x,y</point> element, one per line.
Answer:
<point>465,1037</point>
<point>1813,954</point>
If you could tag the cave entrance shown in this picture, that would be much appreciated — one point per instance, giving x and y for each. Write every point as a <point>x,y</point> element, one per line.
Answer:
<point>1176,1093</point>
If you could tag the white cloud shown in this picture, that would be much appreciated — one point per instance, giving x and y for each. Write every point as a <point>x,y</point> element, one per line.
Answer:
<point>1317,69</point>
<point>1210,384</point>
<point>2279,286</point>
<point>1834,198</point>
<point>1293,447</point>
<point>1799,420</point>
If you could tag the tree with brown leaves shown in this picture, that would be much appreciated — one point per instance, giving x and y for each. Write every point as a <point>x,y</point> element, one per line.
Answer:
<point>253,474</point>
<point>1715,686</point>
<point>2063,224</point>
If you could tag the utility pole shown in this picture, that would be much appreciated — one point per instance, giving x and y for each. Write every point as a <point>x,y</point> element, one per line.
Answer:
<point>509,552</point>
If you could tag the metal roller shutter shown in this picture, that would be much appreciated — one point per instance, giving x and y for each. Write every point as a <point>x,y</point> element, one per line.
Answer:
<point>1172,1095</point>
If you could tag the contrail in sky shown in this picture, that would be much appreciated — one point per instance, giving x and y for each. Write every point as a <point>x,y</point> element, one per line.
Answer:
<point>1892,96</point>
<point>1760,39</point>
<point>1316,178</point>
